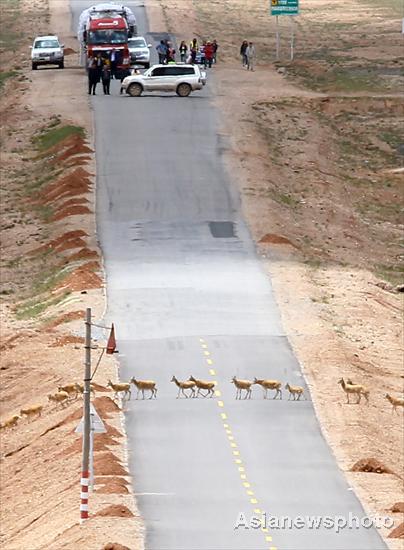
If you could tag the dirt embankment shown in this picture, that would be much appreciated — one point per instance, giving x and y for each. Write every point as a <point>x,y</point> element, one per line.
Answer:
<point>316,146</point>
<point>51,271</point>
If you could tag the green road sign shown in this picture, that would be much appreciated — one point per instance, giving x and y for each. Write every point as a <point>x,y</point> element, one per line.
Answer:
<point>284,7</point>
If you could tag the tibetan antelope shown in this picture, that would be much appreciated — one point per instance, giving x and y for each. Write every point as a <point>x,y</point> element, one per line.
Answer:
<point>182,386</point>
<point>242,385</point>
<point>354,389</point>
<point>270,385</point>
<point>123,387</point>
<point>296,391</point>
<point>144,385</point>
<point>203,385</point>
<point>395,402</point>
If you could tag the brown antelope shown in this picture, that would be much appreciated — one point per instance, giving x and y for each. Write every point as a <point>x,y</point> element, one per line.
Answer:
<point>395,401</point>
<point>30,412</point>
<point>144,385</point>
<point>242,385</point>
<point>80,389</point>
<point>354,389</point>
<point>203,385</point>
<point>123,387</point>
<point>71,389</point>
<point>296,391</point>
<point>270,385</point>
<point>10,422</point>
<point>182,386</point>
<point>60,398</point>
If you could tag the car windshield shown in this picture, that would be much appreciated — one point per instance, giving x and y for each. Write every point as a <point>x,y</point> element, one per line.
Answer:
<point>39,44</point>
<point>137,43</point>
<point>108,36</point>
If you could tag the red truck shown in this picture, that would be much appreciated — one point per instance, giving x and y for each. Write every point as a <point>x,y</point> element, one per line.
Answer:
<point>106,35</point>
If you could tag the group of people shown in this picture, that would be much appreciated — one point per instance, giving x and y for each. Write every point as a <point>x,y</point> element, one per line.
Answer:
<point>247,53</point>
<point>101,68</point>
<point>165,52</point>
<point>205,54</point>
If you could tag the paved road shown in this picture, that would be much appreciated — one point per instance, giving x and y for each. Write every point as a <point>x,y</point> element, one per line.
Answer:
<point>189,296</point>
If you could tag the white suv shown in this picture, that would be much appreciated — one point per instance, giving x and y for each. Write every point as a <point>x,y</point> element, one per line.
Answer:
<point>139,51</point>
<point>47,50</point>
<point>173,77</point>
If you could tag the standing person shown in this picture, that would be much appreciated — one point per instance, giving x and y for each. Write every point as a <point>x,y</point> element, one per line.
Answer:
<point>93,77</point>
<point>113,59</point>
<point>202,52</point>
<point>209,54</point>
<point>183,51</point>
<point>170,53</point>
<point>250,54</point>
<point>215,48</point>
<point>193,48</point>
<point>106,76</point>
<point>90,61</point>
<point>162,52</point>
<point>243,49</point>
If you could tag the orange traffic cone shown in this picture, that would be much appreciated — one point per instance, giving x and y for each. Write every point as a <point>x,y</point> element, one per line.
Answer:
<point>111,345</point>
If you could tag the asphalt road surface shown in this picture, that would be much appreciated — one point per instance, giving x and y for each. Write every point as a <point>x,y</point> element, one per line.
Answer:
<point>188,296</point>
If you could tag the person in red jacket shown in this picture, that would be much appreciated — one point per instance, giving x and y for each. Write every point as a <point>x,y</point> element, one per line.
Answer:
<point>209,53</point>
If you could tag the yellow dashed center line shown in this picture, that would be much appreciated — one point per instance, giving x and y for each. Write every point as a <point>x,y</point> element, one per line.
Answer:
<point>233,445</point>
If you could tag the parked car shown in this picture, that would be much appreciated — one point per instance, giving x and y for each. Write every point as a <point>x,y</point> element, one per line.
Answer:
<point>173,77</point>
<point>47,50</point>
<point>139,51</point>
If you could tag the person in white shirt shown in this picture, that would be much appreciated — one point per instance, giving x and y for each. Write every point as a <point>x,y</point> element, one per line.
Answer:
<point>250,55</point>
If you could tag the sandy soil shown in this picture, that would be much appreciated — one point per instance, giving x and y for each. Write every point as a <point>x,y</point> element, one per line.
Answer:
<point>51,271</point>
<point>314,148</point>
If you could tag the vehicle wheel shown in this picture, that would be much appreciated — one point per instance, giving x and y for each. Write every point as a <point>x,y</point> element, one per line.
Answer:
<point>147,65</point>
<point>34,66</point>
<point>135,90</point>
<point>184,90</point>
<point>62,65</point>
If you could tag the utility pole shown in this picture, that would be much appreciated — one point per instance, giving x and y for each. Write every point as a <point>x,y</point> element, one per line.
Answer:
<point>87,421</point>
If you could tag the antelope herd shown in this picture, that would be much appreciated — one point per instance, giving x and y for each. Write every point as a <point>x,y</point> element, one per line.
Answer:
<point>194,388</point>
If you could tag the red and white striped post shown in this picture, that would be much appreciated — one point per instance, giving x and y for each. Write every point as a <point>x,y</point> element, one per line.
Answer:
<point>87,421</point>
<point>84,496</point>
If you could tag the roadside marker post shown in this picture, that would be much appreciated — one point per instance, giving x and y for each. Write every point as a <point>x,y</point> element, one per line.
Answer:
<point>96,427</point>
<point>285,7</point>
<point>86,421</point>
<point>90,423</point>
